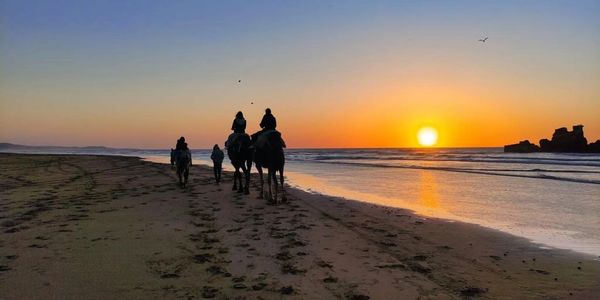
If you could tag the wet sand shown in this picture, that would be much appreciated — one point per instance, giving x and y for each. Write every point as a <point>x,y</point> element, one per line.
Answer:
<point>102,227</point>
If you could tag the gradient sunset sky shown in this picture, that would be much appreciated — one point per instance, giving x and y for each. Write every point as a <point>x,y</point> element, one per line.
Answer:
<point>335,73</point>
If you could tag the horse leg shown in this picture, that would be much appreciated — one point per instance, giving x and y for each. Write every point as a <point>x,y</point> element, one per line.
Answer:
<point>262,182</point>
<point>269,194</point>
<point>235,176</point>
<point>242,178</point>
<point>276,185</point>
<point>186,174</point>
<point>242,173</point>
<point>247,173</point>
<point>283,195</point>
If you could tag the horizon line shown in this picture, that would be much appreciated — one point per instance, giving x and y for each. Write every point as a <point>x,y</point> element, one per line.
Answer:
<point>291,148</point>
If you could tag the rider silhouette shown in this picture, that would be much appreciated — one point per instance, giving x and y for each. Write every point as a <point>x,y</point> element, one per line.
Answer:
<point>268,125</point>
<point>238,127</point>
<point>268,121</point>
<point>180,143</point>
<point>239,123</point>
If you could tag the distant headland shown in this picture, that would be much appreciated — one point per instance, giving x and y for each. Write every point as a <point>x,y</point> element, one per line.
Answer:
<point>562,140</point>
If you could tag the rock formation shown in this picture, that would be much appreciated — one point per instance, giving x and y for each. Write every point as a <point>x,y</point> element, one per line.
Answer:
<point>522,147</point>
<point>594,147</point>
<point>562,140</point>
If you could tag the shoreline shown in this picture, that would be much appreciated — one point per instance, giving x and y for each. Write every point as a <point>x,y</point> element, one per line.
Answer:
<point>314,245</point>
<point>373,199</point>
<point>456,219</point>
<point>377,209</point>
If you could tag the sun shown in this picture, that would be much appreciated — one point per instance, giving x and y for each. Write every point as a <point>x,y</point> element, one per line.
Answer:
<point>427,136</point>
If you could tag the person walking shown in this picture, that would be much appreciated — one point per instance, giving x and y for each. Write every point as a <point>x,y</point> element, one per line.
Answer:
<point>217,157</point>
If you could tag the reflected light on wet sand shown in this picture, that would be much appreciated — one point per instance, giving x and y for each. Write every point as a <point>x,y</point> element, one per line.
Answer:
<point>428,191</point>
<point>425,203</point>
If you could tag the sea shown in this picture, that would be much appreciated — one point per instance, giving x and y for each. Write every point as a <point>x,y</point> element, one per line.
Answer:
<point>553,199</point>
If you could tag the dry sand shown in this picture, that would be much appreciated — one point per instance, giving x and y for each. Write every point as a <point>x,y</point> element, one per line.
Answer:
<point>100,227</point>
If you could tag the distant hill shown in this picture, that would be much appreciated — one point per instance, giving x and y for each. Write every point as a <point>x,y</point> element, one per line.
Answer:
<point>16,148</point>
<point>12,146</point>
<point>4,146</point>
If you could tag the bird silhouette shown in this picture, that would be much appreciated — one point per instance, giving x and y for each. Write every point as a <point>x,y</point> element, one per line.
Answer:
<point>483,40</point>
<point>239,81</point>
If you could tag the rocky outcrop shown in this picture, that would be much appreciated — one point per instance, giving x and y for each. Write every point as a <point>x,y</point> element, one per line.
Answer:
<point>594,147</point>
<point>562,140</point>
<point>565,141</point>
<point>522,147</point>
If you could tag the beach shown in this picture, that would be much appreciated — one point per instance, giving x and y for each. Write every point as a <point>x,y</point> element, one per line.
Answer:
<point>107,227</point>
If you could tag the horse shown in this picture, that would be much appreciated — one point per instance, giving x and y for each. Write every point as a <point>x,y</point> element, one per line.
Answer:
<point>183,160</point>
<point>241,158</point>
<point>270,155</point>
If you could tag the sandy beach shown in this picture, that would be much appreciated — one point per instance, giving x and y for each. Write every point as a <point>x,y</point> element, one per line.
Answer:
<point>108,227</point>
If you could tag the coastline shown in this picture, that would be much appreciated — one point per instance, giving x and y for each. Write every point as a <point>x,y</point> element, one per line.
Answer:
<point>67,218</point>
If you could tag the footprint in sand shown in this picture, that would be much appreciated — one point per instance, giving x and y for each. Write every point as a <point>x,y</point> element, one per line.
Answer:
<point>259,286</point>
<point>283,256</point>
<point>359,297</point>
<point>209,292</point>
<point>4,268</point>
<point>286,290</point>
<point>165,269</point>
<point>240,286</point>
<point>324,264</point>
<point>217,270</point>
<point>203,257</point>
<point>291,269</point>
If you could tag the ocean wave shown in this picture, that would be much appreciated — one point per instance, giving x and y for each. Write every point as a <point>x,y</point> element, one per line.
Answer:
<point>490,172</point>
<point>502,160</point>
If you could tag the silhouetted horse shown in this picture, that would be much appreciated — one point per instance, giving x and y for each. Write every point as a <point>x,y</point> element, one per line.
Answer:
<point>270,155</point>
<point>241,158</point>
<point>183,161</point>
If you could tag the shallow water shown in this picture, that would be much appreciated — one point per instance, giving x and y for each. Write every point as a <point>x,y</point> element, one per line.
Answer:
<point>553,199</point>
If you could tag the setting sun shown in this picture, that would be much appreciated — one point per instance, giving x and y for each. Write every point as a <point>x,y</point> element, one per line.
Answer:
<point>427,136</point>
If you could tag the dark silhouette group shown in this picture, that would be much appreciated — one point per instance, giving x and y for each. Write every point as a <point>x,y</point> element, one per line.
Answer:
<point>264,148</point>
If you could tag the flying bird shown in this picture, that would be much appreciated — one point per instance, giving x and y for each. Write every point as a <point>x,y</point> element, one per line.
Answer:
<point>483,40</point>
<point>239,81</point>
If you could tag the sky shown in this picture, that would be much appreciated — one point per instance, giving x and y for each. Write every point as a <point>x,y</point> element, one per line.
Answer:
<point>335,73</point>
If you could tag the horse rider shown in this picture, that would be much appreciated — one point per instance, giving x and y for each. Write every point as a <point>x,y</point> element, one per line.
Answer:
<point>268,125</point>
<point>180,143</point>
<point>183,163</point>
<point>268,122</point>
<point>180,147</point>
<point>184,150</point>
<point>238,127</point>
